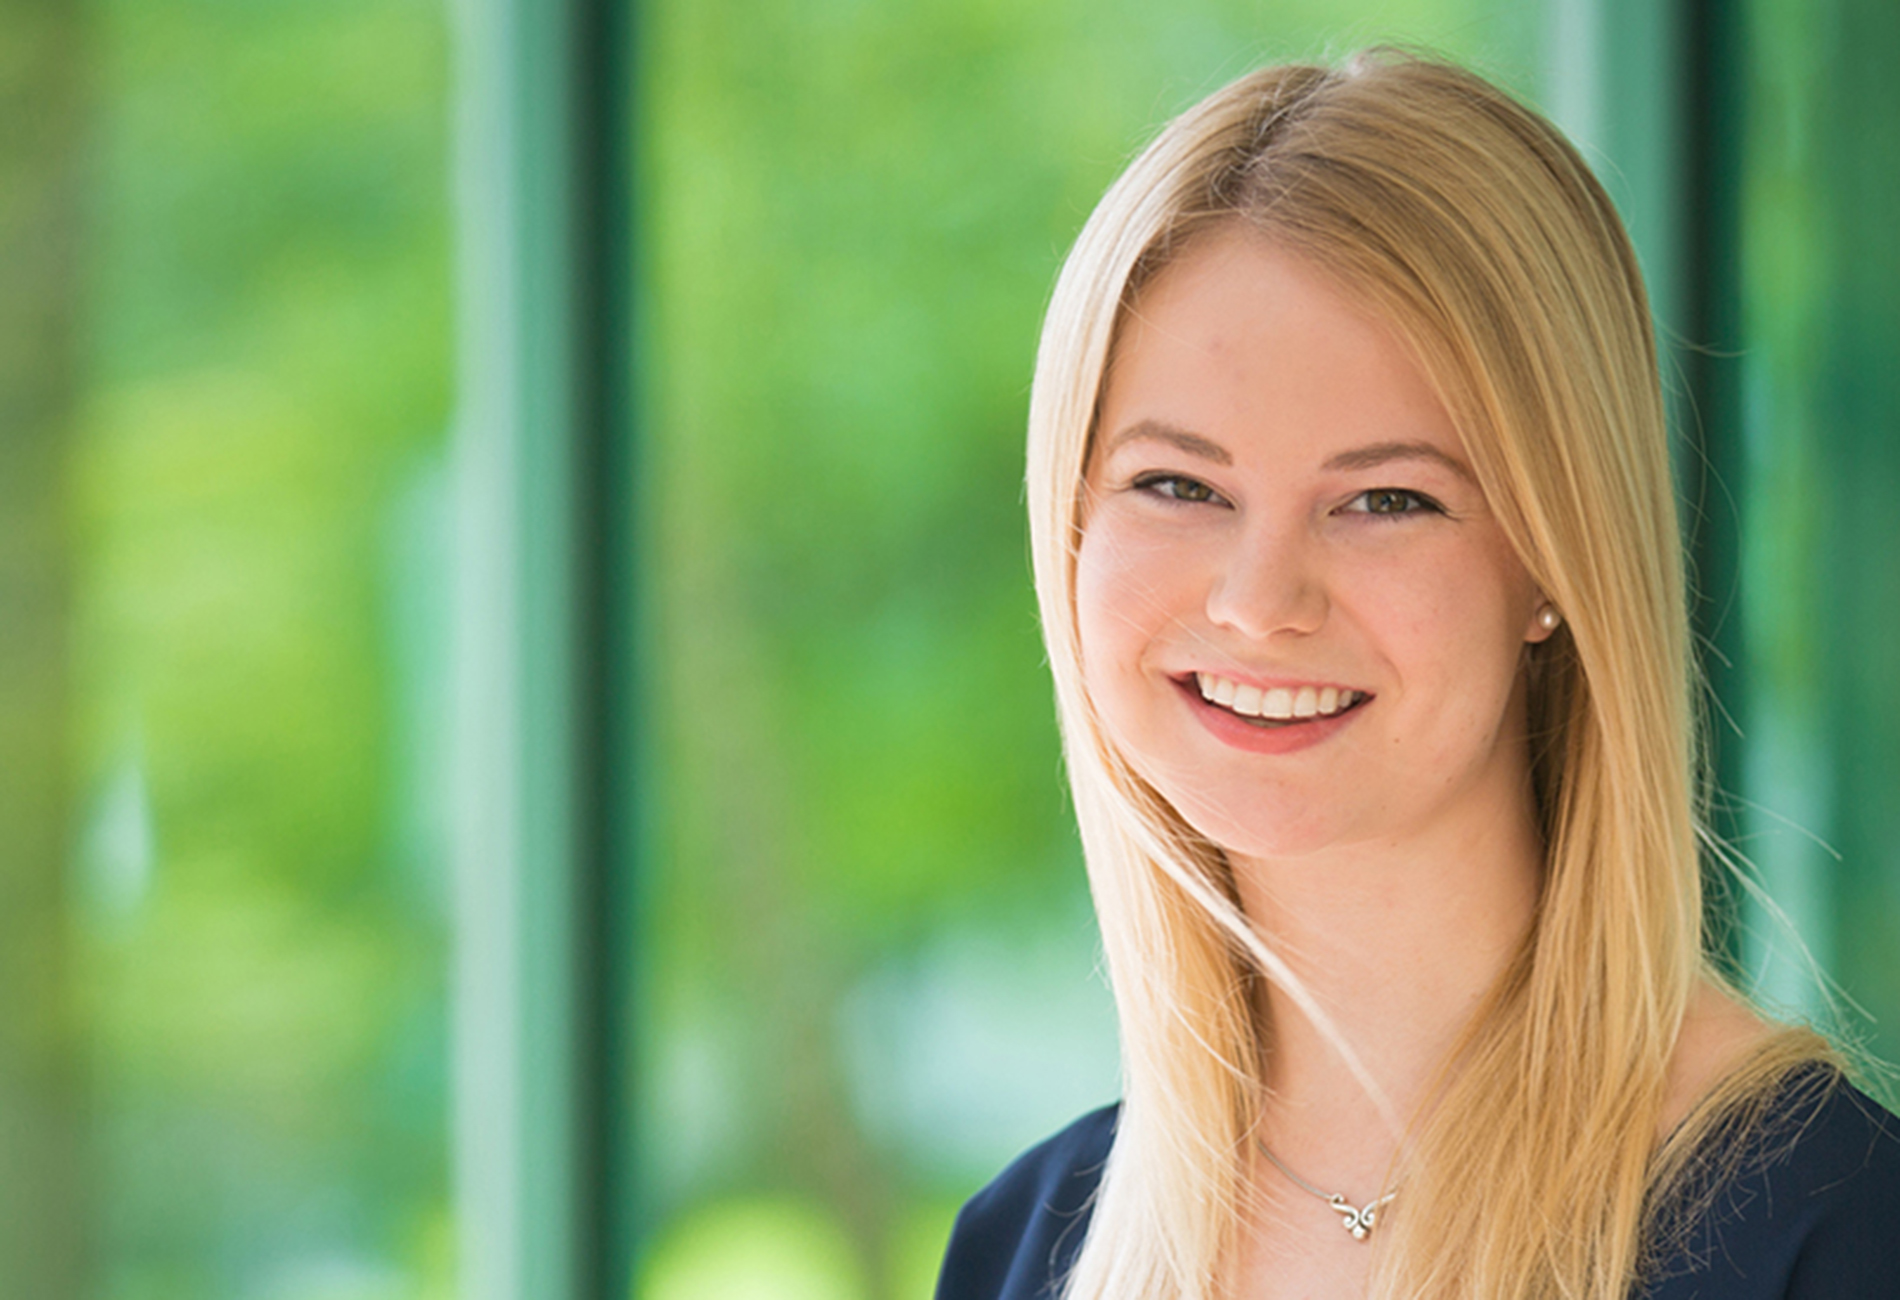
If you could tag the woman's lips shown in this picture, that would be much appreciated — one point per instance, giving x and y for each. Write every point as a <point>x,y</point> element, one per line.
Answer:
<point>1283,722</point>
<point>1276,703</point>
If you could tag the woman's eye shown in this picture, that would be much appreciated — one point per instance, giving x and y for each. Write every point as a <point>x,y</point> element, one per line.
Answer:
<point>1393,501</point>
<point>1176,487</point>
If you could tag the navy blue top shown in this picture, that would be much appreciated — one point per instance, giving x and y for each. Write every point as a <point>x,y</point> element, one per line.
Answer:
<point>1810,1211</point>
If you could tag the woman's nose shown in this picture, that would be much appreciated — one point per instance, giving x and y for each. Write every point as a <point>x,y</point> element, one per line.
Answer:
<point>1268,583</point>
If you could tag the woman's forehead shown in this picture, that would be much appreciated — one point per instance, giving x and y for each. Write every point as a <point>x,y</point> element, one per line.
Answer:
<point>1242,346</point>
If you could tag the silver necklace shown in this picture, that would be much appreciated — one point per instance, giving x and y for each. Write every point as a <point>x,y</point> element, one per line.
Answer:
<point>1358,1222</point>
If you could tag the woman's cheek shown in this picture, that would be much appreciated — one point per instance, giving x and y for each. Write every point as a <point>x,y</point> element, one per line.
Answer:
<point>1122,603</point>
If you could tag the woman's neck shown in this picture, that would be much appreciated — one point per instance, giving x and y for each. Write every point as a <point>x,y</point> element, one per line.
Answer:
<point>1399,944</point>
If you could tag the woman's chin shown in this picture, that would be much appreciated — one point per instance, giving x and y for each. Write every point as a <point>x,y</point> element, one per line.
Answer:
<point>1264,832</point>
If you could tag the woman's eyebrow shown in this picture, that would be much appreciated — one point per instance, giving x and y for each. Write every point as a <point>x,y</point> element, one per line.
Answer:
<point>1383,453</point>
<point>1158,431</point>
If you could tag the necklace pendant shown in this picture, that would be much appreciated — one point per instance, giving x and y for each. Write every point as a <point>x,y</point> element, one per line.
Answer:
<point>1356,1221</point>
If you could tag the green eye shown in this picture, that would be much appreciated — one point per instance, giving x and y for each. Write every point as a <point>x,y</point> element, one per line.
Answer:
<point>1393,501</point>
<point>1175,487</point>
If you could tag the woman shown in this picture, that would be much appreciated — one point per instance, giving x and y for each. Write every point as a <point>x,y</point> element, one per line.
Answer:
<point>1360,576</point>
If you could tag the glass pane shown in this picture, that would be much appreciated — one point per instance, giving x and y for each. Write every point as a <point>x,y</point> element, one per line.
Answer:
<point>871,959</point>
<point>1821,591</point>
<point>257,899</point>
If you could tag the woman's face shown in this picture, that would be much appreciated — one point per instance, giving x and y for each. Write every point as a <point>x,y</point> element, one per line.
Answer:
<point>1298,616</point>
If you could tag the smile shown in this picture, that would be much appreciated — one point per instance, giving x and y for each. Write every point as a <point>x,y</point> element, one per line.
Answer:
<point>1278,704</point>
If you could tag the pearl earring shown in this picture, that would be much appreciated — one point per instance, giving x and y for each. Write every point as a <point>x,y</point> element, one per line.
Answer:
<point>1548,618</point>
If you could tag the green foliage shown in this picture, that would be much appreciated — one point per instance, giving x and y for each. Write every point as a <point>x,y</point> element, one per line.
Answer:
<point>266,376</point>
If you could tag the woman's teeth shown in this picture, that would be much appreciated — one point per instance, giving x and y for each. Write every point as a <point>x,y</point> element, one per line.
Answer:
<point>1280,704</point>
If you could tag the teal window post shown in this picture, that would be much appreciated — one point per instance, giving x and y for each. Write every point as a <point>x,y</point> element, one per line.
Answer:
<point>1649,92</point>
<point>45,1190</point>
<point>542,664</point>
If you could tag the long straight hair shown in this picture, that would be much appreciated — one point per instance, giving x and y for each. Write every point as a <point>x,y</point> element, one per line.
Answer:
<point>1474,228</point>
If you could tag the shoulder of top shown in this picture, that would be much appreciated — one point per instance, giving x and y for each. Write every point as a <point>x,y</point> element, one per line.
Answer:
<point>1814,1135</point>
<point>1793,1200</point>
<point>1828,1131</point>
<point>1014,1238</point>
<point>1058,1174</point>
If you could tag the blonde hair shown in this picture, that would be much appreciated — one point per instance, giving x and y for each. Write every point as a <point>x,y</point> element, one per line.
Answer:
<point>1474,228</point>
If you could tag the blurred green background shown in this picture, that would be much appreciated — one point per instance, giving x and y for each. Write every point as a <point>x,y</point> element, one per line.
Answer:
<point>527,769</point>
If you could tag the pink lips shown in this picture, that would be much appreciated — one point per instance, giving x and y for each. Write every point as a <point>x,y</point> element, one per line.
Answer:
<point>1278,738</point>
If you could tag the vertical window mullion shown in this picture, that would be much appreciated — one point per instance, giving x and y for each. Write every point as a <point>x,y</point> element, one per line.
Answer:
<point>609,618</point>
<point>528,807</point>
<point>1650,92</point>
